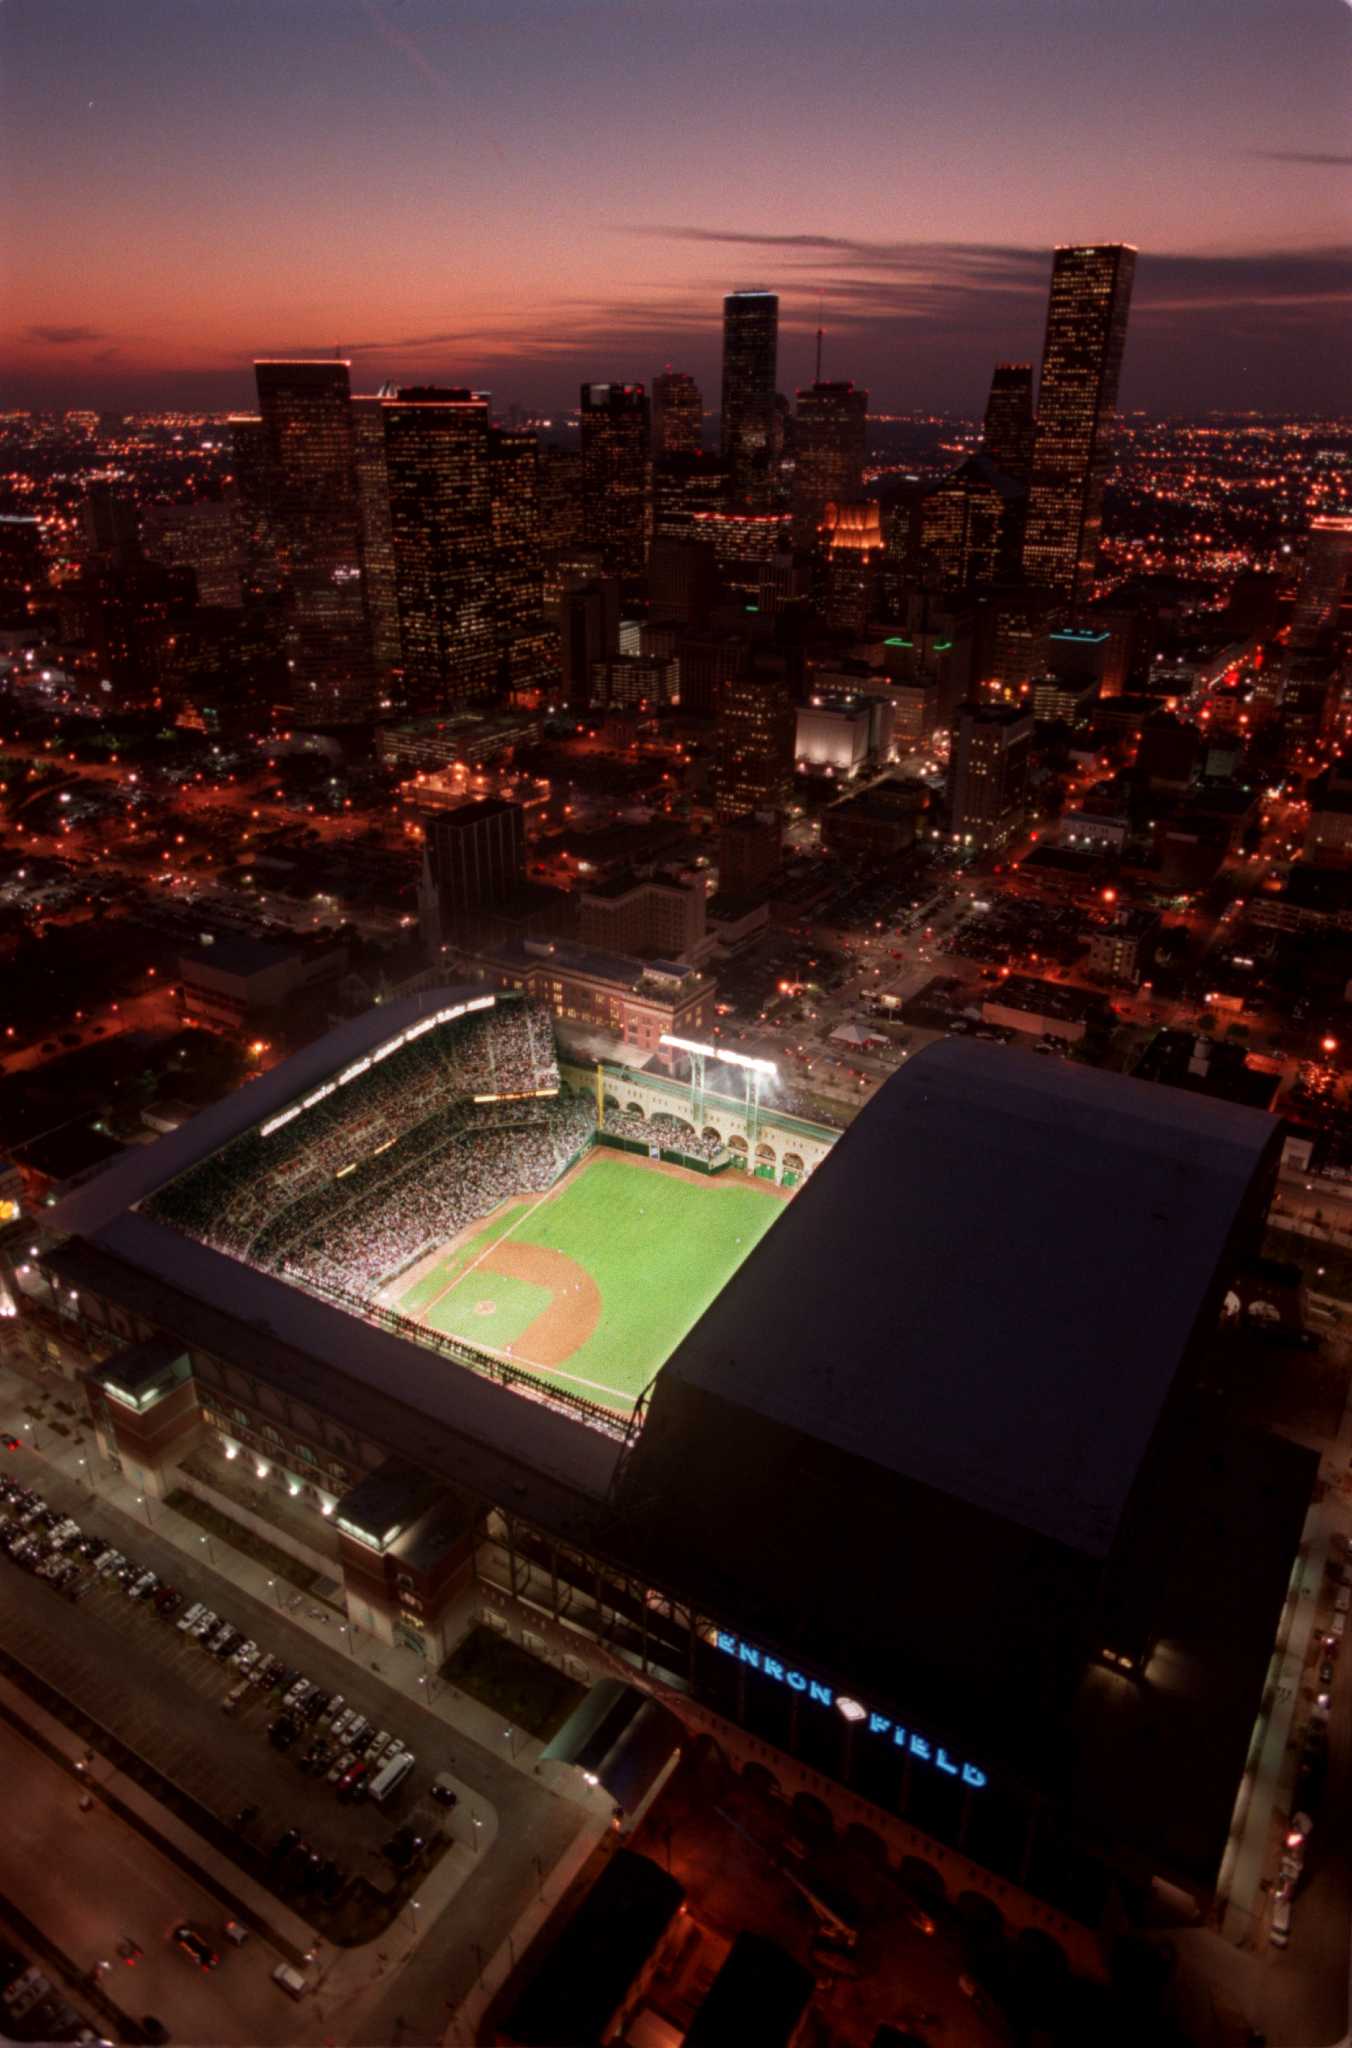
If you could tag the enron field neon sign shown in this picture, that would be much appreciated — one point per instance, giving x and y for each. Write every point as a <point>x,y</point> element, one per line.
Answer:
<point>909,1739</point>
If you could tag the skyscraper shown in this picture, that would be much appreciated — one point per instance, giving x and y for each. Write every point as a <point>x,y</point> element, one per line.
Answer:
<point>518,579</point>
<point>373,497</point>
<point>1008,436</point>
<point>1328,563</point>
<point>436,455</point>
<point>615,470</point>
<point>829,441</point>
<point>750,350</point>
<point>1077,394</point>
<point>678,415</point>
<point>315,518</point>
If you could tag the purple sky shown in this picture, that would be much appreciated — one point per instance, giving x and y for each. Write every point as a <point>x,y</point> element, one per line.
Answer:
<point>521,193</point>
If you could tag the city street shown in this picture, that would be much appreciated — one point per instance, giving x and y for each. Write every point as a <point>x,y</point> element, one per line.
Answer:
<point>90,1881</point>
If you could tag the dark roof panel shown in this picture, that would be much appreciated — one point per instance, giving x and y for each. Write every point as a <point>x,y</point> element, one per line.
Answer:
<point>987,1198</point>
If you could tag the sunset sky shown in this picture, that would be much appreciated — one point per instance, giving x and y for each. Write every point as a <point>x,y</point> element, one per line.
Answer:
<point>521,193</point>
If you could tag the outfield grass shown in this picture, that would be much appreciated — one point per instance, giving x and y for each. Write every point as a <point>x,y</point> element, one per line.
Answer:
<point>659,1247</point>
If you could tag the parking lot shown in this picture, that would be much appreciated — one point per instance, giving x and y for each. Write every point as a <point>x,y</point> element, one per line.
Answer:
<point>160,1690</point>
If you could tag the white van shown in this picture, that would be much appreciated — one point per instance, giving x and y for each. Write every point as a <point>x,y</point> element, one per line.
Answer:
<point>291,1981</point>
<point>391,1776</point>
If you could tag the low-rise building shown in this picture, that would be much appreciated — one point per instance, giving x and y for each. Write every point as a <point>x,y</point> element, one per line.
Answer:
<point>1123,950</point>
<point>658,914</point>
<point>635,1001</point>
<point>876,823</point>
<point>242,984</point>
<point>1044,1009</point>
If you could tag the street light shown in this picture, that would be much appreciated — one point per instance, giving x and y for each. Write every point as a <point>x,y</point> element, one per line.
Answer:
<point>210,1552</point>
<point>141,1501</point>
<point>272,1588</point>
<point>509,1736</point>
<point>478,1830</point>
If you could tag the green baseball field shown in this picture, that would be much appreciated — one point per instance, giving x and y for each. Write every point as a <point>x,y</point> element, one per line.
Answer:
<point>595,1283</point>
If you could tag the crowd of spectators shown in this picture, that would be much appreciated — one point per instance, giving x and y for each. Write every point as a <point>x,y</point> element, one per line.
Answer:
<point>376,1153</point>
<point>413,1200</point>
<point>667,1132</point>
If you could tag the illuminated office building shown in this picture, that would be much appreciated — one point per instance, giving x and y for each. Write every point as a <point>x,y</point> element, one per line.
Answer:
<point>373,497</point>
<point>314,514</point>
<point>1328,563</point>
<point>524,642</point>
<point>1007,437</point>
<point>678,415</point>
<point>750,353</point>
<point>1077,394</point>
<point>755,735</point>
<point>441,522</point>
<point>615,474</point>
<point>829,438</point>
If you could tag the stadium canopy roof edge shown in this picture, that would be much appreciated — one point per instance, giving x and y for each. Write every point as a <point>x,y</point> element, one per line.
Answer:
<point>143,1169</point>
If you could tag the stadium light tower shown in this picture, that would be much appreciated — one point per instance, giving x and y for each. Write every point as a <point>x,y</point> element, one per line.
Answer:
<point>756,1071</point>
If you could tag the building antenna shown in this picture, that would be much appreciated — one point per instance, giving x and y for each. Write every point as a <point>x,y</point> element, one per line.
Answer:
<point>819,340</point>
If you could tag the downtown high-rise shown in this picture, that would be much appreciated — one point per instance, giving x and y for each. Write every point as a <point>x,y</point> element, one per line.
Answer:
<point>1007,437</point>
<point>750,357</point>
<point>830,427</point>
<point>441,526</point>
<point>616,474</point>
<point>1077,397</point>
<point>678,415</point>
<point>310,481</point>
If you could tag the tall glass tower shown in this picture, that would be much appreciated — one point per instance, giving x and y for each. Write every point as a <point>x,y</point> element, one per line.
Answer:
<point>1081,364</point>
<point>309,455</point>
<point>750,352</point>
<point>441,524</point>
<point>1007,437</point>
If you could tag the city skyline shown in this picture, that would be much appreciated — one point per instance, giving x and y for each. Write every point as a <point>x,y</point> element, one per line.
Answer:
<point>532,201</point>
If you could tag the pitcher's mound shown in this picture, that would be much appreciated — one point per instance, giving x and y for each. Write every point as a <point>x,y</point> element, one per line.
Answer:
<point>485,1308</point>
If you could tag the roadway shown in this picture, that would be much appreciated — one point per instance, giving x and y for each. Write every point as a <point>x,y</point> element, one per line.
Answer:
<point>89,1881</point>
<point>163,1700</point>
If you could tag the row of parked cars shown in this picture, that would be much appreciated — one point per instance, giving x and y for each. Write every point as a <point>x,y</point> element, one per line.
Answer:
<point>358,1759</point>
<point>50,1544</point>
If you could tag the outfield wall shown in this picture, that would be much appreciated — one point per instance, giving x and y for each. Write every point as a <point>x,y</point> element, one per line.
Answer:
<point>787,1148</point>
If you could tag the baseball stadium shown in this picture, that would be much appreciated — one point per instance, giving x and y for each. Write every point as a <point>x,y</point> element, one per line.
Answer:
<point>452,1184</point>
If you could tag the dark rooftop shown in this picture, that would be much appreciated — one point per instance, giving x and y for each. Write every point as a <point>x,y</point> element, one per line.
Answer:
<point>583,1980</point>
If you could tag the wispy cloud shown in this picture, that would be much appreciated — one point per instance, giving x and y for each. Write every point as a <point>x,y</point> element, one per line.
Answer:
<point>1304,156</point>
<point>62,337</point>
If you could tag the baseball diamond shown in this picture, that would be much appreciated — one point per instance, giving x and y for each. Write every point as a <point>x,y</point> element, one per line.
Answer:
<point>595,1282</point>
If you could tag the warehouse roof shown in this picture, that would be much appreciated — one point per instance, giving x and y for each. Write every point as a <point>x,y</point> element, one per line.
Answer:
<point>989,1285</point>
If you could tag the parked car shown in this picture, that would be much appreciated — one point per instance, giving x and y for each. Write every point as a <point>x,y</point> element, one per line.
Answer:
<point>353,1781</point>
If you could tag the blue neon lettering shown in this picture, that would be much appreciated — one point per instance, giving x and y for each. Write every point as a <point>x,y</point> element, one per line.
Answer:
<point>824,1695</point>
